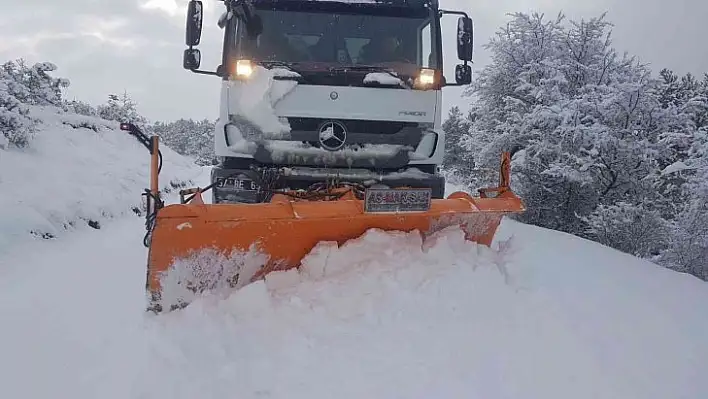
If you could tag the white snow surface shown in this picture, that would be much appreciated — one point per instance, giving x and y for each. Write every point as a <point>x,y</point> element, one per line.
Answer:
<point>77,169</point>
<point>541,315</point>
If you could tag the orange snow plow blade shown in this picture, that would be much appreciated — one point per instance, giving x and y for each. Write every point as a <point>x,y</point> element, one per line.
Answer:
<point>196,247</point>
<point>286,229</point>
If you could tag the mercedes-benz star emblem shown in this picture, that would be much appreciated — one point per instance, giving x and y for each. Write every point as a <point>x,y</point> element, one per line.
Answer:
<point>333,135</point>
<point>334,95</point>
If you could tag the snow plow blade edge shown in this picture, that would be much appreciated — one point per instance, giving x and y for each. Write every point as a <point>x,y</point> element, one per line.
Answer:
<point>285,231</point>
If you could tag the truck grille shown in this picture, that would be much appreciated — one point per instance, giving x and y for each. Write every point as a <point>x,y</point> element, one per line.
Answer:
<point>352,125</point>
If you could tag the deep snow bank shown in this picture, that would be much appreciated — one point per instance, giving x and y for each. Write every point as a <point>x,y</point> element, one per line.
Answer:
<point>78,170</point>
<point>545,315</point>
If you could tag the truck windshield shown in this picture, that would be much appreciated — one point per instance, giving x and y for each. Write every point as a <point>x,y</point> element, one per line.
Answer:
<point>403,44</point>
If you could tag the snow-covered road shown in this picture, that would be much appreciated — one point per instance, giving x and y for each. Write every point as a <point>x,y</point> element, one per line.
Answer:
<point>71,311</point>
<point>550,316</point>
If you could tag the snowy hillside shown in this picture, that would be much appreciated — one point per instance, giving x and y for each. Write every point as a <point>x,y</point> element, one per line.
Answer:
<point>77,171</point>
<point>547,316</point>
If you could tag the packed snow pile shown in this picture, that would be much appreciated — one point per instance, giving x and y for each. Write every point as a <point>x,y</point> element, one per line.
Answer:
<point>76,171</point>
<point>544,315</point>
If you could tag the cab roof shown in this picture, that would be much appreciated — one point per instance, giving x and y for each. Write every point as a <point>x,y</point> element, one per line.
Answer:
<point>388,3</point>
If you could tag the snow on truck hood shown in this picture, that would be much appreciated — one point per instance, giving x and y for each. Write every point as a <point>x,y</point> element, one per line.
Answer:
<point>255,99</point>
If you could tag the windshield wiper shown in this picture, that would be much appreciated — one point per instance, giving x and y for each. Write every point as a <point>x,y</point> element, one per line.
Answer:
<point>374,69</point>
<point>365,68</point>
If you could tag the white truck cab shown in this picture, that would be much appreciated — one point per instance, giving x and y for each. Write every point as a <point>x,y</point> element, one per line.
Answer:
<point>329,90</point>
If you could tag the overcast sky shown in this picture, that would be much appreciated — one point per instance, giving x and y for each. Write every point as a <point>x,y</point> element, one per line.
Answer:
<point>108,46</point>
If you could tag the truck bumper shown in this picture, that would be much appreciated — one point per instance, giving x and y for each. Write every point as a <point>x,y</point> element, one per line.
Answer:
<point>241,185</point>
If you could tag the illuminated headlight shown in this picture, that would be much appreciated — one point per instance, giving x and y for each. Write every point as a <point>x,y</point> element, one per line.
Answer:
<point>426,77</point>
<point>243,69</point>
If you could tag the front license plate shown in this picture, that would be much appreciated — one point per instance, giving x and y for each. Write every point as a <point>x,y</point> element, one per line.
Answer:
<point>379,200</point>
<point>238,184</point>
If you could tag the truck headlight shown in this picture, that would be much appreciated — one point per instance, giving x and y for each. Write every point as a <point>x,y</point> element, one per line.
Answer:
<point>243,69</point>
<point>426,78</point>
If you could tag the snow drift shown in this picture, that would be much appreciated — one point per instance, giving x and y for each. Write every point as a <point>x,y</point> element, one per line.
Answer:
<point>77,171</point>
<point>388,316</point>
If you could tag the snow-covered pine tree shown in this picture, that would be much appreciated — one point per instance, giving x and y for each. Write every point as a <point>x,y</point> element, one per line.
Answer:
<point>45,89</point>
<point>688,249</point>
<point>189,137</point>
<point>204,142</point>
<point>121,108</point>
<point>16,126</point>
<point>79,107</point>
<point>684,178</point>
<point>457,160</point>
<point>33,85</point>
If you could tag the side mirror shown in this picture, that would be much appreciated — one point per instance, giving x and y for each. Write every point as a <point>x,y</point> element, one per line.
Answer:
<point>464,39</point>
<point>191,59</point>
<point>194,23</point>
<point>463,74</point>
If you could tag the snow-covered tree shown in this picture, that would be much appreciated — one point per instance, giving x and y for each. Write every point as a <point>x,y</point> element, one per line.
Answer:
<point>687,182</point>
<point>33,85</point>
<point>16,127</point>
<point>121,108</point>
<point>189,137</point>
<point>592,131</point>
<point>80,107</point>
<point>457,159</point>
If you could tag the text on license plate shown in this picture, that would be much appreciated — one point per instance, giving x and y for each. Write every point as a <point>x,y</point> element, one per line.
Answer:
<point>378,200</point>
<point>238,184</point>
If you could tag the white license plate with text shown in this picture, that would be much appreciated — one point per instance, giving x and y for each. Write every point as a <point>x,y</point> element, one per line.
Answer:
<point>384,200</point>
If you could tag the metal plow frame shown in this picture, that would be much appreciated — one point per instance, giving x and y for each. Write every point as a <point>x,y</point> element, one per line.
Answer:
<point>285,229</point>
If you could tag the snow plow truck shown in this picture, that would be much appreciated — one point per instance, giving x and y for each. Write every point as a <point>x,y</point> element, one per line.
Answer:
<point>329,125</point>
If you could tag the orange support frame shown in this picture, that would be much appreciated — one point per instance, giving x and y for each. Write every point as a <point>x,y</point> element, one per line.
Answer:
<point>155,166</point>
<point>504,178</point>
